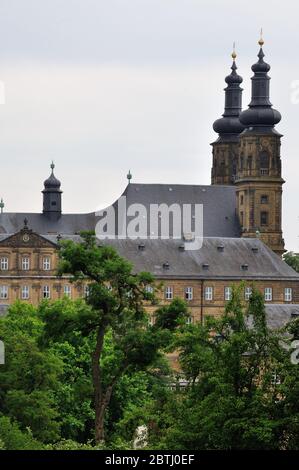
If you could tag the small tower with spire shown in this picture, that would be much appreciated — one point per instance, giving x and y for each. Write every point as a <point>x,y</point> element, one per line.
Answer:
<point>1,206</point>
<point>52,196</point>
<point>228,127</point>
<point>259,181</point>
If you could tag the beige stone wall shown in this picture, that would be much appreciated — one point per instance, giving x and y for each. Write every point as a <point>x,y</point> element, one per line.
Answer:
<point>253,182</point>
<point>36,278</point>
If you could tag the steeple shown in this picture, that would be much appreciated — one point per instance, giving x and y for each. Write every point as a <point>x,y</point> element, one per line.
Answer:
<point>52,196</point>
<point>260,117</point>
<point>229,127</point>
<point>226,147</point>
<point>259,180</point>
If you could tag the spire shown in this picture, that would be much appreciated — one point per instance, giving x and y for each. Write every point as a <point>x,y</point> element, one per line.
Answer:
<point>229,127</point>
<point>52,196</point>
<point>129,176</point>
<point>260,115</point>
<point>2,206</point>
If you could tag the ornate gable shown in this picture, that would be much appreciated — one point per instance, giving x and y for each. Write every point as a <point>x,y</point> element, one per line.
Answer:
<point>26,238</point>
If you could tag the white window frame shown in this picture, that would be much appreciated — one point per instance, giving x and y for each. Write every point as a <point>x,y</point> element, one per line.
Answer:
<point>168,293</point>
<point>189,320</point>
<point>189,293</point>
<point>4,263</point>
<point>208,293</point>
<point>288,294</point>
<point>25,263</point>
<point>268,294</point>
<point>228,292</point>
<point>25,292</point>
<point>47,263</point>
<point>67,290</point>
<point>3,292</point>
<point>46,292</point>
<point>247,293</point>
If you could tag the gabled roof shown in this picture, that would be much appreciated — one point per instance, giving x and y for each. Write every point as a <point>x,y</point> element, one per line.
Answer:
<point>26,238</point>
<point>219,210</point>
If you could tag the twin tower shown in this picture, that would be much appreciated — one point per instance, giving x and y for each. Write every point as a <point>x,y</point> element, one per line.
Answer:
<point>247,155</point>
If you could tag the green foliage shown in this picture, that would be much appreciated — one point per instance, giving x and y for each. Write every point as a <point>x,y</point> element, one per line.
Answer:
<point>12,438</point>
<point>231,401</point>
<point>292,259</point>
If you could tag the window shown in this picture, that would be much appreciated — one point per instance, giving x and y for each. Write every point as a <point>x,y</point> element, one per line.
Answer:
<point>242,218</point>
<point>189,293</point>
<point>241,163</point>
<point>288,294</point>
<point>189,320</point>
<point>241,200</point>
<point>264,218</point>
<point>3,292</point>
<point>228,293</point>
<point>4,264</point>
<point>46,263</point>
<point>209,293</point>
<point>264,163</point>
<point>168,293</point>
<point>249,163</point>
<point>86,290</point>
<point>264,199</point>
<point>149,289</point>
<point>67,290</point>
<point>46,292</point>
<point>25,292</point>
<point>25,263</point>
<point>248,292</point>
<point>268,294</point>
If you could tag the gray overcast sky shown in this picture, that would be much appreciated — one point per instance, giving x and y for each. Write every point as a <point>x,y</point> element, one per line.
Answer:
<point>101,86</point>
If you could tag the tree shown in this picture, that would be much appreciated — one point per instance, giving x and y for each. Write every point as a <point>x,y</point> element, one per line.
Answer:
<point>242,391</point>
<point>292,259</point>
<point>116,313</point>
<point>30,376</point>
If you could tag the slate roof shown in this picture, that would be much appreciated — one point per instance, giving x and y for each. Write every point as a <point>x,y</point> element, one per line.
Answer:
<point>219,203</point>
<point>259,260</point>
<point>11,222</point>
<point>278,315</point>
<point>219,210</point>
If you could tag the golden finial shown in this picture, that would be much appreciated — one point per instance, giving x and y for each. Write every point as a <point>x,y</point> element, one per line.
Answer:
<point>234,55</point>
<point>261,40</point>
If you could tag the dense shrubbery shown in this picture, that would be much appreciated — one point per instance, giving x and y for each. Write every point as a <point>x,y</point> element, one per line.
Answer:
<point>242,392</point>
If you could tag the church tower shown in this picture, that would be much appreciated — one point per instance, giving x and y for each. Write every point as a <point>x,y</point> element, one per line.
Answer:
<point>259,182</point>
<point>52,196</point>
<point>226,147</point>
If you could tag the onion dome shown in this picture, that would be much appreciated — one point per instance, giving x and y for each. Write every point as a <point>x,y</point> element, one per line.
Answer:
<point>260,115</point>
<point>229,127</point>
<point>52,183</point>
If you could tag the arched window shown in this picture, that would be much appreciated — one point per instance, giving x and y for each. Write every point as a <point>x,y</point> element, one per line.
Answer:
<point>264,163</point>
